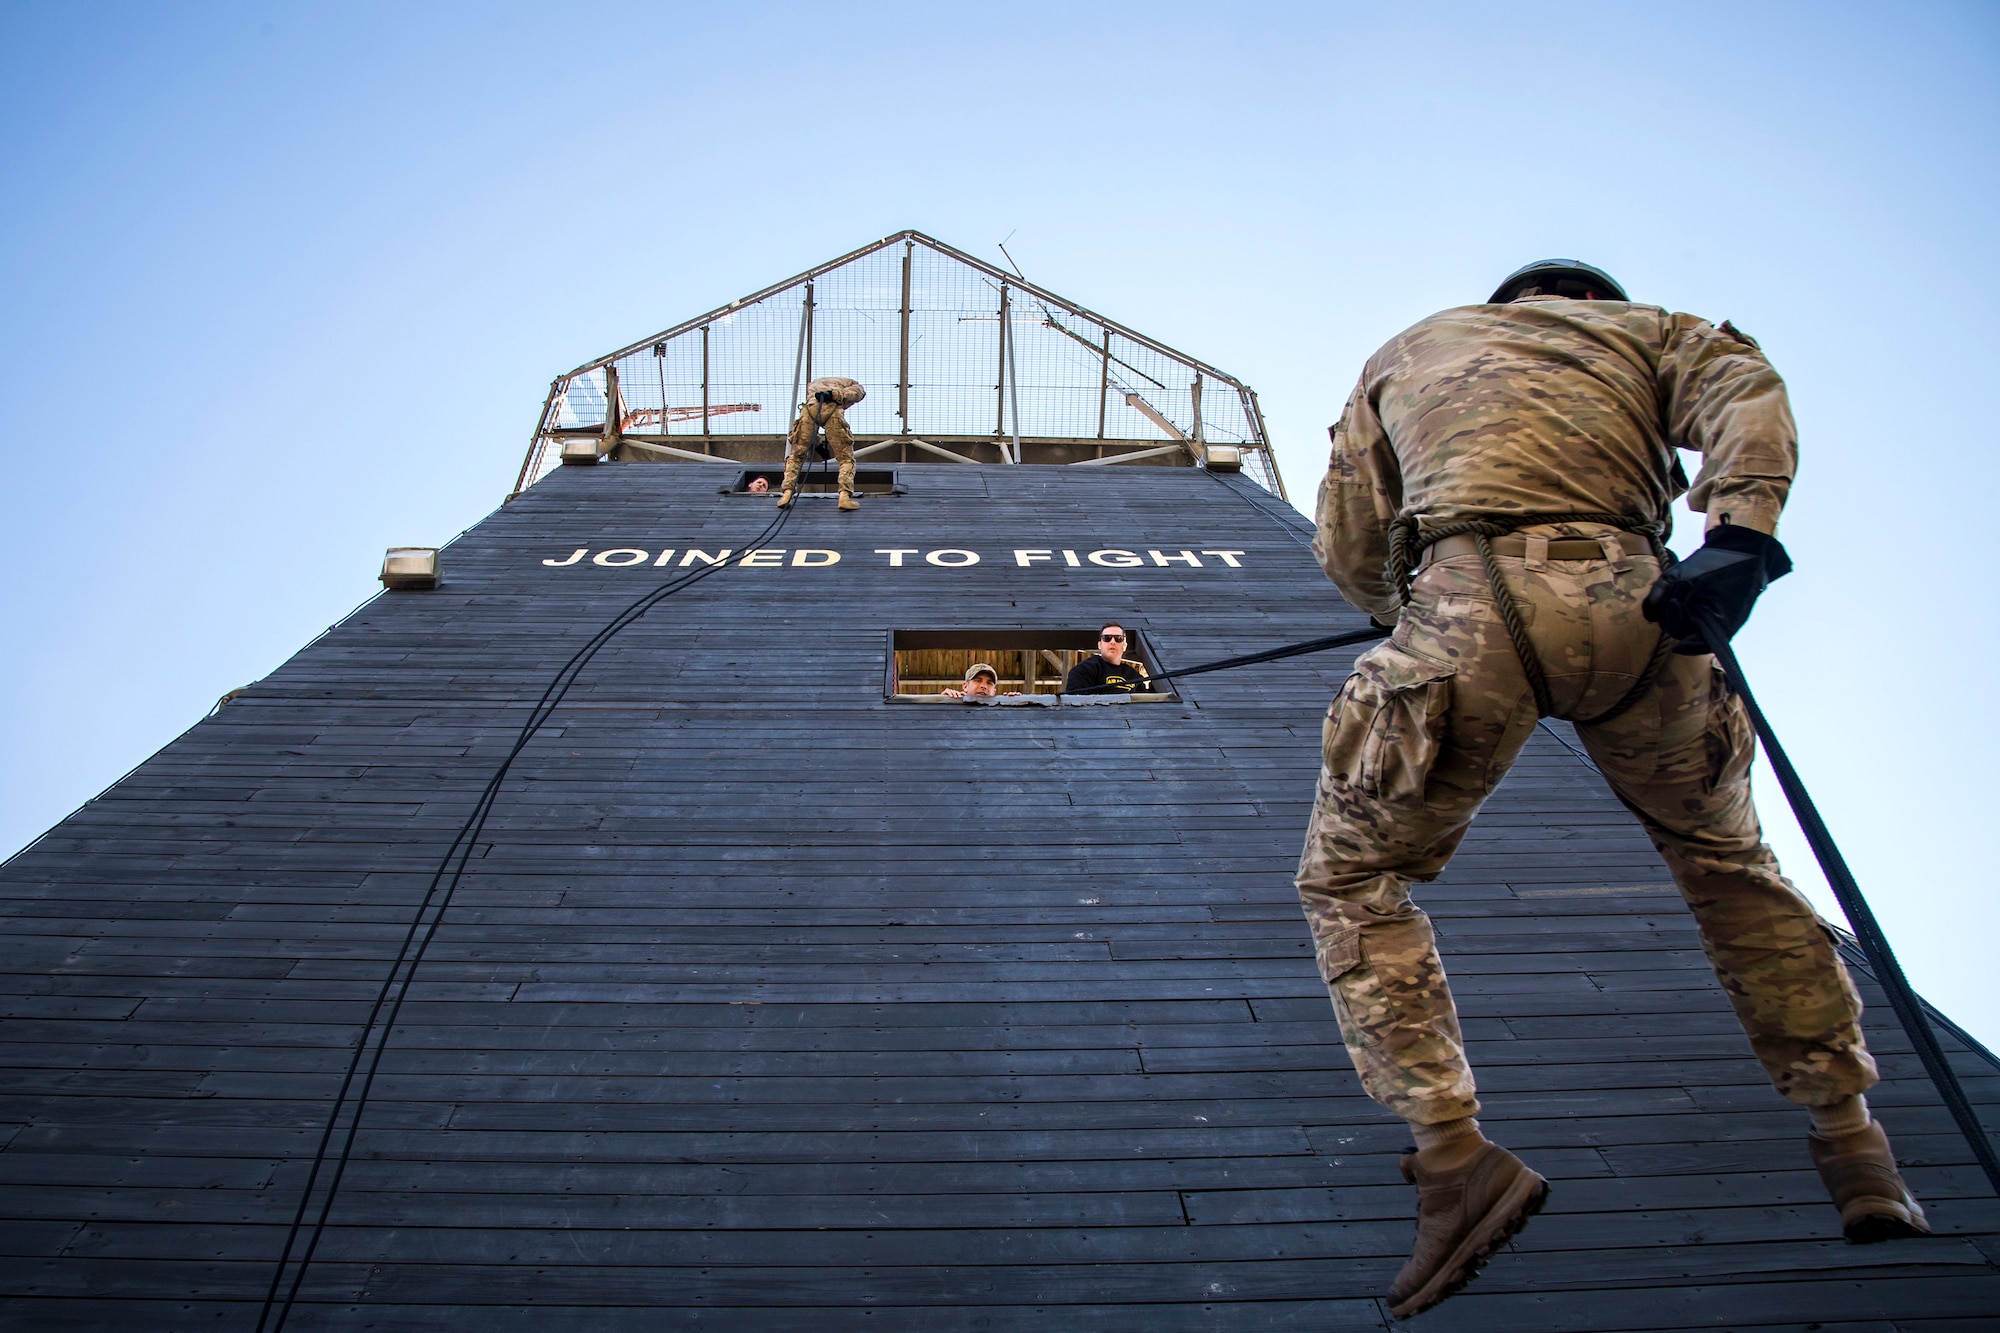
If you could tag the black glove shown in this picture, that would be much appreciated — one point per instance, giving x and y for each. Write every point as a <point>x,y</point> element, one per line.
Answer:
<point>1722,581</point>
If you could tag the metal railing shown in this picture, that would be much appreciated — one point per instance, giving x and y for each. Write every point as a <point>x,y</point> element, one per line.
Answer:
<point>963,361</point>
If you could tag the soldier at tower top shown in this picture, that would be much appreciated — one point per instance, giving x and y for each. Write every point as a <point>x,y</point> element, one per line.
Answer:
<point>825,409</point>
<point>1499,490</point>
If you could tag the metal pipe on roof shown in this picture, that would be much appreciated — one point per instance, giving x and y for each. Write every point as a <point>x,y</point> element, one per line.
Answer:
<point>1000,381</point>
<point>799,360</point>
<point>537,443</point>
<point>903,361</point>
<point>1179,448</point>
<point>1013,379</point>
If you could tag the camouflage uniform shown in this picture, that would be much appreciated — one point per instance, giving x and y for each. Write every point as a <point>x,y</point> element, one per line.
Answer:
<point>1548,406</point>
<point>832,417</point>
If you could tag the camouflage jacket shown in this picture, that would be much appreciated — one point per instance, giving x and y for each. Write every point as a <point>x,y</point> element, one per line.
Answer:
<point>1549,405</point>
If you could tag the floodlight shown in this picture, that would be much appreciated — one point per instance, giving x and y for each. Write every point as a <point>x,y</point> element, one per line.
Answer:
<point>410,567</point>
<point>1223,458</point>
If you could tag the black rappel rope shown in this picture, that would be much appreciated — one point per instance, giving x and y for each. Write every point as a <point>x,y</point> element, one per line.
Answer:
<point>1346,640</point>
<point>389,999</point>
<point>1867,931</point>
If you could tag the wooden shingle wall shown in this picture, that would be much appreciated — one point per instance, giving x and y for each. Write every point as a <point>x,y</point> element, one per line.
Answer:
<point>767,1005</point>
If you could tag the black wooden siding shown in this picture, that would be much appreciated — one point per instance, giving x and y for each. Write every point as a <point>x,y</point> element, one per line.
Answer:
<point>767,1005</point>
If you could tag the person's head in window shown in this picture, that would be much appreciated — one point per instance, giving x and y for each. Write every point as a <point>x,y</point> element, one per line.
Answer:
<point>981,682</point>
<point>1109,669</point>
<point>758,485</point>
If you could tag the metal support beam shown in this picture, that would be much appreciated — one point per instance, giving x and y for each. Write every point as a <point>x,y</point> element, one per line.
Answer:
<point>1160,452</point>
<point>1154,415</point>
<point>704,389</point>
<point>1013,383</point>
<point>1104,384</point>
<point>1264,442</point>
<point>799,360</point>
<point>613,410</point>
<point>930,448</point>
<point>538,442</point>
<point>688,455</point>
<point>903,362</point>
<point>1000,381</point>
<point>1194,391</point>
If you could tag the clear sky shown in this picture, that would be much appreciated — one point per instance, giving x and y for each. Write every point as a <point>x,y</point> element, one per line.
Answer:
<point>285,284</point>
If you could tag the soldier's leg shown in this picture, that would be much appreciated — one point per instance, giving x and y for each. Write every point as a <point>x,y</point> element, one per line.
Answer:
<point>1682,763</point>
<point>795,453</point>
<point>1414,743</point>
<point>843,452</point>
<point>1680,760</point>
<point>1417,738</point>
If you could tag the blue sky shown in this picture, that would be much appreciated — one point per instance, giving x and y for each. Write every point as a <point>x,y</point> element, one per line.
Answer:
<point>285,284</point>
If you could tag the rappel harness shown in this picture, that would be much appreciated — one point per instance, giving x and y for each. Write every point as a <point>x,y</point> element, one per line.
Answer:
<point>1408,541</point>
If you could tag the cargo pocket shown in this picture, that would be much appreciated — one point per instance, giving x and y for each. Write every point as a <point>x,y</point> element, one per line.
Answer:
<point>1339,951</point>
<point>1366,1016</point>
<point>1730,743</point>
<point>1383,731</point>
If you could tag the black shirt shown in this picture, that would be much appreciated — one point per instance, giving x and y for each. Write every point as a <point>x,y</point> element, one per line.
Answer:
<point>1125,678</point>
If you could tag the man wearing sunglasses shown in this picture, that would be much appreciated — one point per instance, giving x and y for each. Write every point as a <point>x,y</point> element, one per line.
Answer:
<point>1110,670</point>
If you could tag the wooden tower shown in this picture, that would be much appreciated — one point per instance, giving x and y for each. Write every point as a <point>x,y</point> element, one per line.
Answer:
<point>776,992</point>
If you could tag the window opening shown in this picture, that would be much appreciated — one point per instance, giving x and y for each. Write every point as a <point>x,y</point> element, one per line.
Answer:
<point>819,479</point>
<point>923,664</point>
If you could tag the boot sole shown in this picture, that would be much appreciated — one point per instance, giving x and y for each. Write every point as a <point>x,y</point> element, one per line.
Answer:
<point>1501,1224</point>
<point>1885,1220</point>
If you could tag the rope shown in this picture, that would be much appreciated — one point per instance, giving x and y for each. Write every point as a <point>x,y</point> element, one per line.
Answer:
<point>1408,541</point>
<point>1867,931</point>
<point>1346,640</point>
<point>383,1014</point>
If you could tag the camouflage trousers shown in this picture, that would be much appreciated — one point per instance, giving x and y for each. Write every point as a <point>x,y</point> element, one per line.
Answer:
<point>1424,730</point>
<point>838,440</point>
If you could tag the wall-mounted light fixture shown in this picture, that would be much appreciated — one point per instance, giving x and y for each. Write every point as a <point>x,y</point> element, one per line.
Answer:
<point>1223,458</point>
<point>410,567</point>
<point>582,450</point>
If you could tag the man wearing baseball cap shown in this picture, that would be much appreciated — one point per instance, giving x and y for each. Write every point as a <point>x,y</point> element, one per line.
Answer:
<point>981,682</point>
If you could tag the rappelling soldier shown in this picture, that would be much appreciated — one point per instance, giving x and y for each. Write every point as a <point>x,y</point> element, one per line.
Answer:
<point>1499,492</point>
<point>823,412</point>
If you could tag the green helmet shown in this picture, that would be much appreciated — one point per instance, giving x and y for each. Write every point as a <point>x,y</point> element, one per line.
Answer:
<point>1557,277</point>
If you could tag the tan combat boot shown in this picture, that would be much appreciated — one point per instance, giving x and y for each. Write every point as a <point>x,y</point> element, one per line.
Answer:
<point>1860,1173</point>
<point>1465,1211</point>
<point>785,499</point>
<point>847,500</point>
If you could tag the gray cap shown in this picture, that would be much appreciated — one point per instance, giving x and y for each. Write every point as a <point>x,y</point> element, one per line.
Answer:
<point>978,667</point>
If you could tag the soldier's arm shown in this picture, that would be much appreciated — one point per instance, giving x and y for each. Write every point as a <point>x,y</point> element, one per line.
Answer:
<point>1358,500</point>
<point>1722,397</point>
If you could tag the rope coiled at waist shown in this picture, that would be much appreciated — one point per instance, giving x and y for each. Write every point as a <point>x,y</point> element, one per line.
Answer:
<point>1408,540</point>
